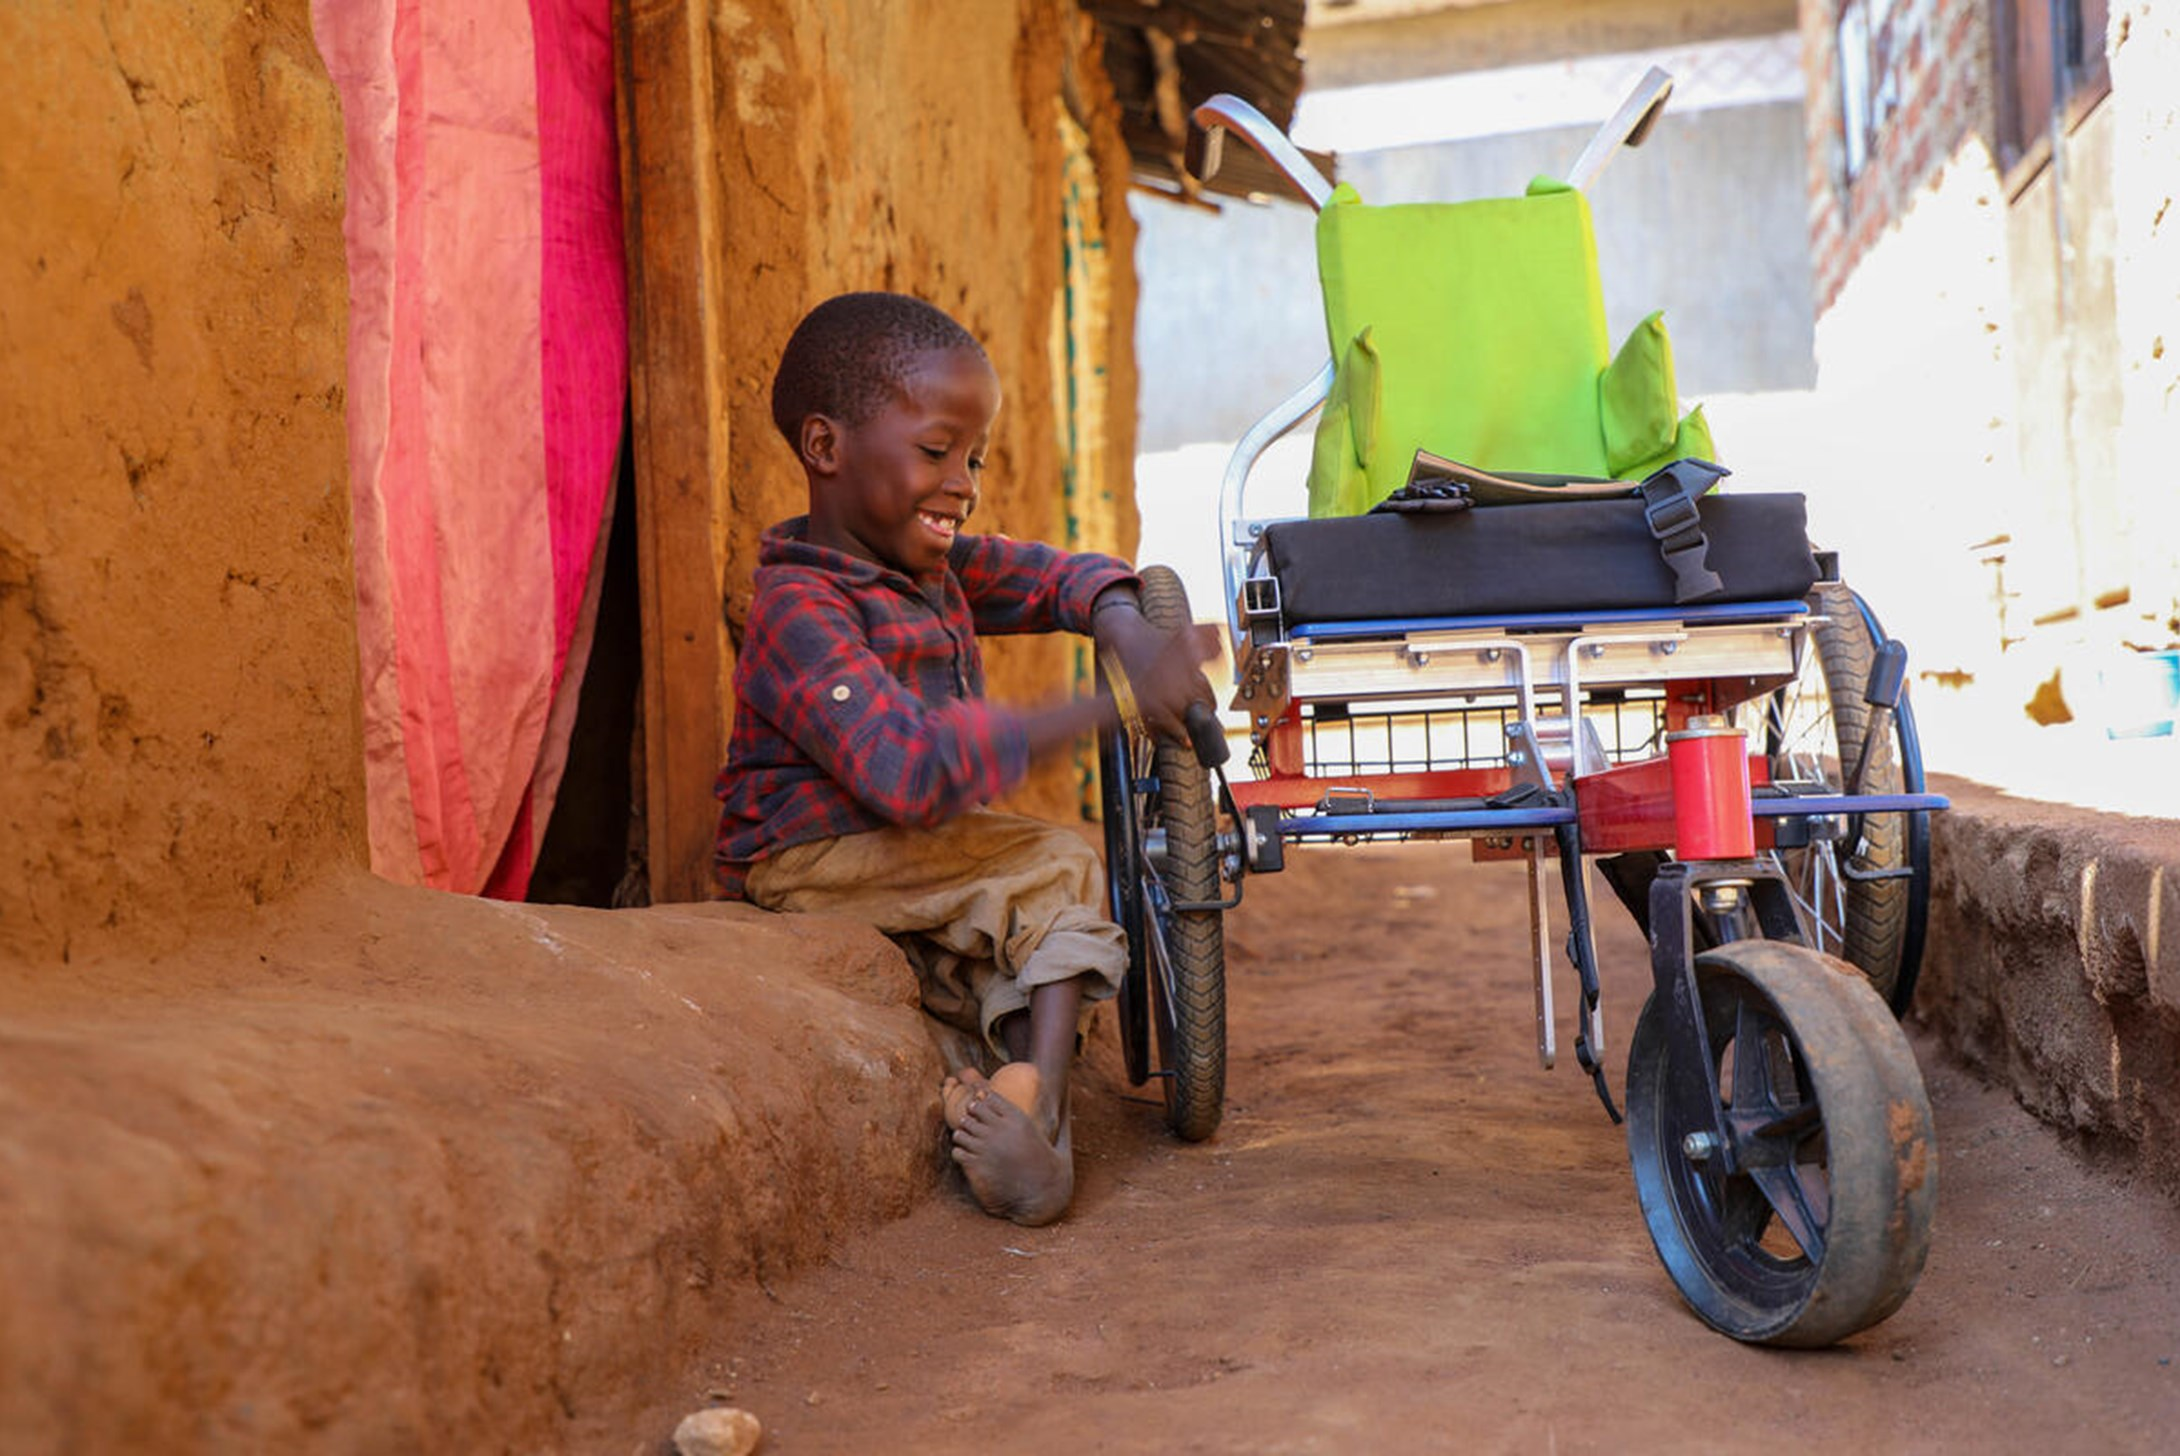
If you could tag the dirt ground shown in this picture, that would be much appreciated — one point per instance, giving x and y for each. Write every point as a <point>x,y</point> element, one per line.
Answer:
<point>389,1170</point>
<point>1407,1236</point>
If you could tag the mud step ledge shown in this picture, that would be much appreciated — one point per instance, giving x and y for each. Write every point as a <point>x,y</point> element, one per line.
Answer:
<point>398,1170</point>
<point>2053,967</point>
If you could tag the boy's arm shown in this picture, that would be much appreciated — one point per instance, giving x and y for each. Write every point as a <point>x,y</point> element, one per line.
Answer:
<point>1024,586</point>
<point>810,672</point>
<point>1027,586</point>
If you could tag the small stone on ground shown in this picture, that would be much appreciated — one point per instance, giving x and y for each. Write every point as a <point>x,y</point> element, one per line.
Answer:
<point>720,1431</point>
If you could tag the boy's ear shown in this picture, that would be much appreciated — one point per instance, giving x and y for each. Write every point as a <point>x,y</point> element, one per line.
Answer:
<point>819,444</point>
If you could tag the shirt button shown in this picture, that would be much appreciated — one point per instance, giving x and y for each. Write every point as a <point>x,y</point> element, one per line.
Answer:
<point>840,693</point>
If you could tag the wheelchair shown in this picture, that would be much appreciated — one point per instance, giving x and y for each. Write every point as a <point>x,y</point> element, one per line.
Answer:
<point>1552,638</point>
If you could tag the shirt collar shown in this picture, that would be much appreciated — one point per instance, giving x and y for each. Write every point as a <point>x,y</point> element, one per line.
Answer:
<point>788,544</point>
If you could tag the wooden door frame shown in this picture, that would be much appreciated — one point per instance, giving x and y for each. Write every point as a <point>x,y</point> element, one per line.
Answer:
<point>678,429</point>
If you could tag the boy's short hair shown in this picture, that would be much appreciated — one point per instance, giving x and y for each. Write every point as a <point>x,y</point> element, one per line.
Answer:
<point>851,353</point>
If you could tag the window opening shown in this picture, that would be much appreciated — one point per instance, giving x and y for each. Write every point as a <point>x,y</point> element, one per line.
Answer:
<point>2052,72</point>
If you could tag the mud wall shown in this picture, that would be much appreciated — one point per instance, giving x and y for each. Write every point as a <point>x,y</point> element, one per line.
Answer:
<point>2053,970</point>
<point>178,729</point>
<point>904,147</point>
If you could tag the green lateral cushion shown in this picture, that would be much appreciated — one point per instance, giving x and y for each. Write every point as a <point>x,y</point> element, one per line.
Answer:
<point>1488,332</point>
<point>1636,397</point>
<point>1347,432</point>
<point>1691,441</point>
<point>1336,476</point>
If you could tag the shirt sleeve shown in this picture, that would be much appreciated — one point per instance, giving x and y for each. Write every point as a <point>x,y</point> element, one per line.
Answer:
<point>815,678</point>
<point>1027,586</point>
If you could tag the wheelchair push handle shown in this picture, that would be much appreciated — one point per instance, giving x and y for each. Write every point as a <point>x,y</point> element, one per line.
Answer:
<point>1888,675</point>
<point>1207,736</point>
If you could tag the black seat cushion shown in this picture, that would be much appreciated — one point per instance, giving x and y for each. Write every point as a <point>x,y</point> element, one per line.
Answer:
<point>1561,556</point>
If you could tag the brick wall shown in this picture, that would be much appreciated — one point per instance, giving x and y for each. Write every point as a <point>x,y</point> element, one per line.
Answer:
<point>1934,85</point>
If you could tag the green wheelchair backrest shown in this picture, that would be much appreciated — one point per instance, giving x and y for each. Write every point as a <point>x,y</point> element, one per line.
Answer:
<point>1476,331</point>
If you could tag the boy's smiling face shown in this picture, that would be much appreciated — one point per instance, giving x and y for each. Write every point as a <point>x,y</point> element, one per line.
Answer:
<point>895,489</point>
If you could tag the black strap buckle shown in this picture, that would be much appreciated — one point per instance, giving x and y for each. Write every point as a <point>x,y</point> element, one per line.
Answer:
<point>1669,510</point>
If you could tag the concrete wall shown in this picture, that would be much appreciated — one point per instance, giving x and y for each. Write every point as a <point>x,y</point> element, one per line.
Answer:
<point>178,721</point>
<point>2144,50</point>
<point>2065,348</point>
<point>1229,320</point>
<point>1695,223</point>
<point>1997,343</point>
<point>1436,41</point>
<point>1705,222</point>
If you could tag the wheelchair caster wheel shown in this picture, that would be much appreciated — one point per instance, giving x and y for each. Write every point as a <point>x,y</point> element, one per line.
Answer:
<point>1818,1224</point>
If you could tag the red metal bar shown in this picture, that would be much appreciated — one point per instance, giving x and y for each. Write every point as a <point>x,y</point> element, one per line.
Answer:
<point>1298,791</point>
<point>1630,805</point>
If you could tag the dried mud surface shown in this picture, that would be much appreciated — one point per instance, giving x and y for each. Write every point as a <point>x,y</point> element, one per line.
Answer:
<point>1407,1236</point>
<point>394,1170</point>
<point>178,732</point>
<point>402,1171</point>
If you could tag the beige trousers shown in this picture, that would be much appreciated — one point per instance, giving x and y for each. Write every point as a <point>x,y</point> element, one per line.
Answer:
<point>987,906</point>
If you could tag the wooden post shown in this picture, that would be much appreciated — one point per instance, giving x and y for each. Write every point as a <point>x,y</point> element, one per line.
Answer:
<point>678,425</point>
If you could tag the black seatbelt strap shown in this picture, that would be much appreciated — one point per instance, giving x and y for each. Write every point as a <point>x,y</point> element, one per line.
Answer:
<point>1669,509</point>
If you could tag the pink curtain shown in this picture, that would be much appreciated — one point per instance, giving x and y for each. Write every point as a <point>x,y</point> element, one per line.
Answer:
<point>487,373</point>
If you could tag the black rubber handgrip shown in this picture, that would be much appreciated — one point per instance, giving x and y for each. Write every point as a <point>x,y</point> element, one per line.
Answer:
<point>1888,672</point>
<point>1205,732</point>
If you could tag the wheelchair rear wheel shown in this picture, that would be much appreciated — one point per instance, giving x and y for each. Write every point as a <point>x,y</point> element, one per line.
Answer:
<point>1161,849</point>
<point>1821,1228</point>
<point>1867,900</point>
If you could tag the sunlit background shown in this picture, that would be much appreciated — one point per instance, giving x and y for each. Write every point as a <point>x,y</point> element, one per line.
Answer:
<point>1938,356</point>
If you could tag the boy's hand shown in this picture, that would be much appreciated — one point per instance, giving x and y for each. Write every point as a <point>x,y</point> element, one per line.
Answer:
<point>1165,670</point>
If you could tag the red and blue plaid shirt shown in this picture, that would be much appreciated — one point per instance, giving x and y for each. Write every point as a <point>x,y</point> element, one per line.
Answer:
<point>859,695</point>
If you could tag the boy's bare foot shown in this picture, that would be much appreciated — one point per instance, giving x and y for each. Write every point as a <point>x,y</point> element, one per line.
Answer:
<point>956,1091</point>
<point>1018,1082</point>
<point>1013,1169</point>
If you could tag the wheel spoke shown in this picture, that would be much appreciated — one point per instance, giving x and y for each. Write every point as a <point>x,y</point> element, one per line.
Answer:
<point>1838,918</point>
<point>1777,1120</point>
<point>1827,911</point>
<point>1154,930</point>
<point>1751,1061</point>
<point>1806,879</point>
<point>1742,1212</point>
<point>1786,1188</point>
<point>1804,737</point>
<point>1793,1125</point>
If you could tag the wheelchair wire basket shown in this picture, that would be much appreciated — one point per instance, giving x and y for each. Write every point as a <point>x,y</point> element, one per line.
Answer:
<point>1469,732</point>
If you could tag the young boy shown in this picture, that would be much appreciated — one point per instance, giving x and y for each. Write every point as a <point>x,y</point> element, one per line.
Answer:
<point>863,748</point>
